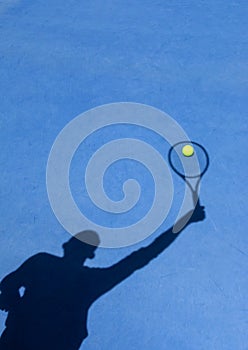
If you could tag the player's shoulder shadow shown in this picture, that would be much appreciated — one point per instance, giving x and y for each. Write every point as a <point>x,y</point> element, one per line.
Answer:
<point>47,299</point>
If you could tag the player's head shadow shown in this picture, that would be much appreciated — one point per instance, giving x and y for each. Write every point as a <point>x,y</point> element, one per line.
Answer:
<point>82,246</point>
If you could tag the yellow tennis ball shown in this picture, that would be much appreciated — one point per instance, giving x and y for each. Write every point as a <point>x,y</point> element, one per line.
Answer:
<point>188,150</point>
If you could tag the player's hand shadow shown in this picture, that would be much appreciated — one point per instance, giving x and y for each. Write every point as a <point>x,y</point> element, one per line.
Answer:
<point>198,214</point>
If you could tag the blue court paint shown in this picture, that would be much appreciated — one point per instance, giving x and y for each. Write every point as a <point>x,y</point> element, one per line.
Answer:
<point>186,58</point>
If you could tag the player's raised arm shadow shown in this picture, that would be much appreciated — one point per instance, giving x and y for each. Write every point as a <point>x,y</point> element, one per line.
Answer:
<point>52,312</point>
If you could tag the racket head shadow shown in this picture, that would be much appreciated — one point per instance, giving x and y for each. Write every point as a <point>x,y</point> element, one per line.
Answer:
<point>188,167</point>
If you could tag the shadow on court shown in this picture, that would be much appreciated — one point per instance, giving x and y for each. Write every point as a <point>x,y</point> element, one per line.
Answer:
<point>58,291</point>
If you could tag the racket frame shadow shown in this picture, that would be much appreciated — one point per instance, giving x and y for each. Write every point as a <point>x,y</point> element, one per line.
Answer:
<point>194,189</point>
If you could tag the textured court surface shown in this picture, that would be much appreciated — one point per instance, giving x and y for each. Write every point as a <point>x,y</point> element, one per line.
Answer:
<point>187,58</point>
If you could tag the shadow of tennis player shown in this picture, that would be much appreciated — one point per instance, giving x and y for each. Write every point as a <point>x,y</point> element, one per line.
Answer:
<point>52,313</point>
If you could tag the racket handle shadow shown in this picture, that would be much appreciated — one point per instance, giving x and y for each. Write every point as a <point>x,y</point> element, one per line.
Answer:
<point>195,215</point>
<point>181,223</point>
<point>196,199</point>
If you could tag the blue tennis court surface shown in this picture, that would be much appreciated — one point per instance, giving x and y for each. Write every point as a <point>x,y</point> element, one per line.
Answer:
<point>186,58</point>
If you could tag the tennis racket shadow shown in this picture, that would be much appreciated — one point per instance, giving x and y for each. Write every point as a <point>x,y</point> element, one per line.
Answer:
<point>190,170</point>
